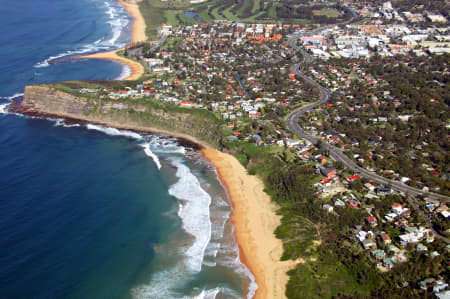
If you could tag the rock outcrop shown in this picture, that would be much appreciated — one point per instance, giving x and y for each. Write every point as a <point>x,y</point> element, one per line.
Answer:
<point>134,115</point>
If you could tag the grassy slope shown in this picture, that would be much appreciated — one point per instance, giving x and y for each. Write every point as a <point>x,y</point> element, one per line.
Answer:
<point>199,123</point>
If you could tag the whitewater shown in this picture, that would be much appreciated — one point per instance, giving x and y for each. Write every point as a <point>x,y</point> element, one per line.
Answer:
<point>177,211</point>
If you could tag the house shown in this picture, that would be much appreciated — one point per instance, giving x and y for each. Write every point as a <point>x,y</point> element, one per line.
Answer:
<point>339,203</point>
<point>370,196</point>
<point>328,208</point>
<point>328,172</point>
<point>388,263</point>
<point>414,235</point>
<point>393,248</point>
<point>424,284</point>
<point>352,178</point>
<point>186,104</point>
<point>390,217</point>
<point>371,220</point>
<point>440,287</point>
<point>368,244</point>
<point>420,247</point>
<point>254,114</point>
<point>322,160</point>
<point>378,254</point>
<point>400,256</point>
<point>385,239</point>
<point>259,142</point>
<point>444,214</point>
<point>369,186</point>
<point>292,142</point>
<point>382,191</point>
<point>353,203</point>
<point>306,155</point>
<point>399,209</point>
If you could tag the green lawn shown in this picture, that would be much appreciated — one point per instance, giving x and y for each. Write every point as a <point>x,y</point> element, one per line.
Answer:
<point>256,6</point>
<point>329,12</point>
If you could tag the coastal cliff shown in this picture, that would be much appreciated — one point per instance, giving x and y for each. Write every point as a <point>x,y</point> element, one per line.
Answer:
<point>151,116</point>
<point>254,217</point>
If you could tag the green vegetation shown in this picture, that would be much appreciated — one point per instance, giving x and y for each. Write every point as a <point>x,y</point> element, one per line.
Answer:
<point>415,87</point>
<point>153,14</point>
<point>330,13</point>
<point>330,265</point>
<point>262,11</point>
<point>306,229</point>
<point>145,112</point>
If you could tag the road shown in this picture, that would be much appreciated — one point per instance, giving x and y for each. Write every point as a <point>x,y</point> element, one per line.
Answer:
<point>160,42</point>
<point>337,154</point>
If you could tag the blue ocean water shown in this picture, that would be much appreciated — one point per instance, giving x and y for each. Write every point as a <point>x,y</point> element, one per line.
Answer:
<point>93,212</point>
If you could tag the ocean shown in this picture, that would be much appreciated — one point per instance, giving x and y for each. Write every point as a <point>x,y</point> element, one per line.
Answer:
<point>94,212</point>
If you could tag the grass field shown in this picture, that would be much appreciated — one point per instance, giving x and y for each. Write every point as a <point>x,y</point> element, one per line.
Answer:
<point>328,12</point>
<point>153,16</point>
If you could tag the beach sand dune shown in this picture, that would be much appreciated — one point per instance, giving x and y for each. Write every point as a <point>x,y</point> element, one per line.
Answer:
<point>255,221</point>
<point>138,35</point>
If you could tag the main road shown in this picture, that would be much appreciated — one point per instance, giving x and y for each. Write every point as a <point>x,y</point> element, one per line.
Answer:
<point>292,121</point>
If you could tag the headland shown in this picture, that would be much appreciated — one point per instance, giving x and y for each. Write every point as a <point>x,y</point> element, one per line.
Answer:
<point>254,217</point>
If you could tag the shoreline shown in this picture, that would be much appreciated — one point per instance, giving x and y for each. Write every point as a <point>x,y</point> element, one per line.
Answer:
<point>138,35</point>
<point>86,120</point>
<point>254,219</point>
<point>253,215</point>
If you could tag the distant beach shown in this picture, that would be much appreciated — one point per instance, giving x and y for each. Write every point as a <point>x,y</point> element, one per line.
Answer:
<point>138,35</point>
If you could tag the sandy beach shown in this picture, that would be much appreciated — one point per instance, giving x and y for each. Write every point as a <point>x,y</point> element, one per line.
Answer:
<point>136,69</point>
<point>254,220</point>
<point>138,32</point>
<point>253,217</point>
<point>138,35</point>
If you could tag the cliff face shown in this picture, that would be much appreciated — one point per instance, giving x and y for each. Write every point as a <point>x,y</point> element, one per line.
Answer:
<point>41,99</point>
<point>136,115</point>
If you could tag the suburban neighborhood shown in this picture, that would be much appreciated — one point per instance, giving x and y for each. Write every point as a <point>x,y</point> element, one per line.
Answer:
<point>387,72</point>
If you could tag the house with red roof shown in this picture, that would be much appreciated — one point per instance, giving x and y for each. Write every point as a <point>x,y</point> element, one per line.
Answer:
<point>187,104</point>
<point>371,220</point>
<point>352,178</point>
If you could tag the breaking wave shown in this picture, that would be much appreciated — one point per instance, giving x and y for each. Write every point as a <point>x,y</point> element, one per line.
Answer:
<point>114,131</point>
<point>194,213</point>
<point>118,21</point>
<point>3,108</point>
<point>149,153</point>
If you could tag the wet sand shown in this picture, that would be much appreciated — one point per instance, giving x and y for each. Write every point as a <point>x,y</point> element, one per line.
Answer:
<point>255,221</point>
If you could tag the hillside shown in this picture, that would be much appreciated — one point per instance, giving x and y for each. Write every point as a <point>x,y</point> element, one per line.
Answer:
<point>61,100</point>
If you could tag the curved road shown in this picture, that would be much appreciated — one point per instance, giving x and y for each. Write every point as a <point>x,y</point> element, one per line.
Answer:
<point>292,122</point>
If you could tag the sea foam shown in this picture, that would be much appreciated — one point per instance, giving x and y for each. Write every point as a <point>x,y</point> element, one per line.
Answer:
<point>59,122</point>
<point>149,153</point>
<point>16,95</point>
<point>118,20</point>
<point>195,217</point>
<point>163,145</point>
<point>114,132</point>
<point>194,213</point>
<point>126,72</point>
<point>4,108</point>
